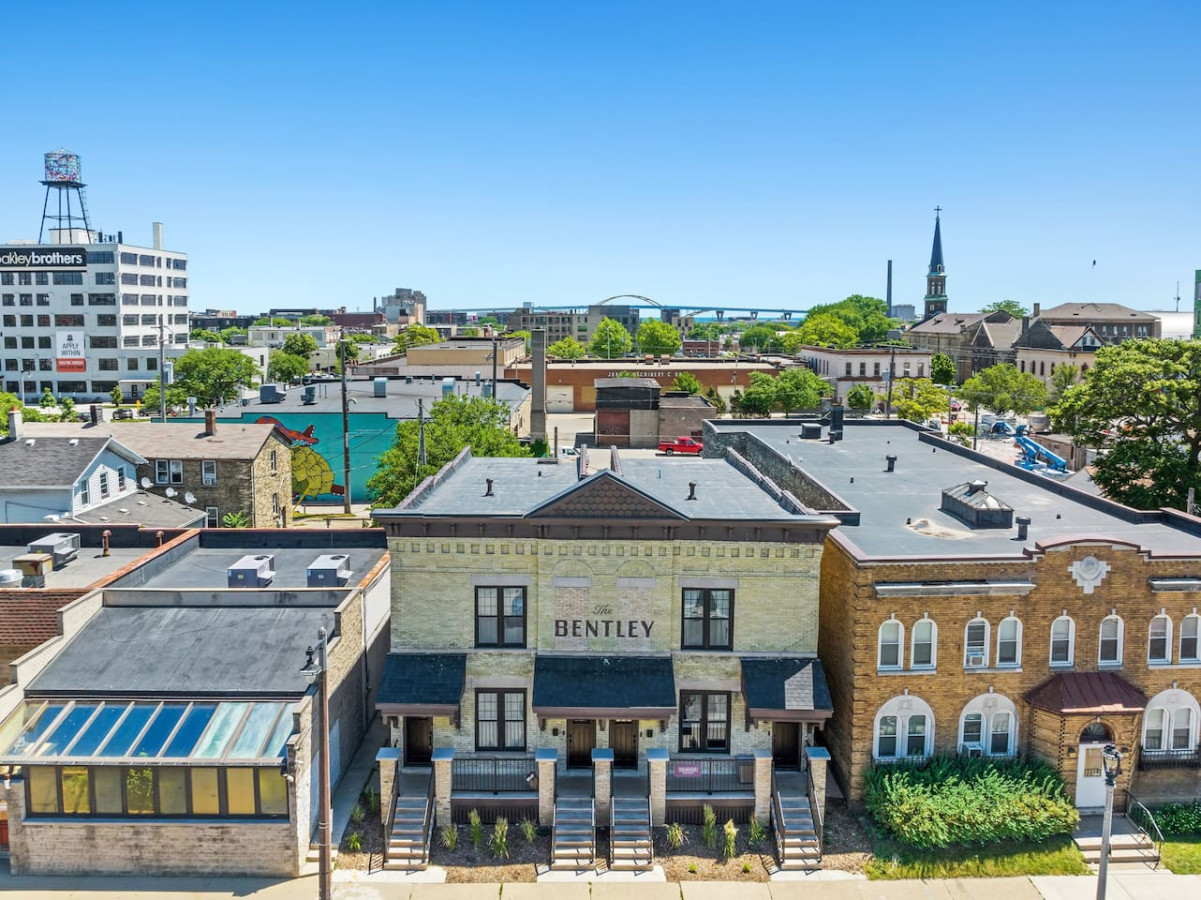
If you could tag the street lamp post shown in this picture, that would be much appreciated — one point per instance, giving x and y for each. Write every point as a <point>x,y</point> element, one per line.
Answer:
<point>318,668</point>
<point>1111,764</point>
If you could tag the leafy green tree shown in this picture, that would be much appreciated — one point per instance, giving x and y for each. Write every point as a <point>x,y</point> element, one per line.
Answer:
<point>176,397</point>
<point>66,410</point>
<point>1063,376</point>
<point>236,519</point>
<point>227,334</point>
<point>214,375</point>
<point>800,388</point>
<point>866,316</point>
<point>454,423</point>
<point>1012,307</point>
<point>686,381</point>
<point>717,400</point>
<point>1002,388</point>
<point>861,397</point>
<point>1141,405</point>
<point>611,340</point>
<point>825,330</point>
<point>8,402</point>
<point>568,348</point>
<point>47,401</point>
<point>205,334</point>
<point>316,320</point>
<point>300,344</point>
<point>416,336</point>
<point>283,366</point>
<point>762,338</point>
<point>658,338</point>
<point>117,395</point>
<point>277,322</point>
<point>942,369</point>
<point>707,331</point>
<point>918,399</point>
<point>759,399</point>
<point>469,332</point>
<point>524,335</point>
<point>490,320</point>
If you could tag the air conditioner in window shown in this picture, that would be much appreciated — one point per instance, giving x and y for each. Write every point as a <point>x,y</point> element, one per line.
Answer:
<point>971,750</point>
<point>975,661</point>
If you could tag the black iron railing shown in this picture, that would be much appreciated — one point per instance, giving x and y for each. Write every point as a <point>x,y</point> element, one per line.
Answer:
<point>494,775</point>
<point>710,776</point>
<point>1170,759</point>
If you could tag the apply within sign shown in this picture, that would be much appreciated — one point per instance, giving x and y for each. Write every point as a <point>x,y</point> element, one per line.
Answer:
<point>69,352</point>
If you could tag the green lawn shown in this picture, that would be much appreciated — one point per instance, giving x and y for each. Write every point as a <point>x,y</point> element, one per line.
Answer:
<point>1054,856</point>
<point>1182,855</point>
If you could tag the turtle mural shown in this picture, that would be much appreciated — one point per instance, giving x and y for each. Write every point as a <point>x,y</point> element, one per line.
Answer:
<point>311,472</point>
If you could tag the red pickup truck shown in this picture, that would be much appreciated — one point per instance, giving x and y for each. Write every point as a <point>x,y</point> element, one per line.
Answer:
<point>681,445</point>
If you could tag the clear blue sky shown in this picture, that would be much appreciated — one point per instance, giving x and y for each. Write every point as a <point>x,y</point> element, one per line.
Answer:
<point>763,154</point>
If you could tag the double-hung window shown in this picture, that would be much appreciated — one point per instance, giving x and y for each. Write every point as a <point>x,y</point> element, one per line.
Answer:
<point>1189,628</point>
<point>168,471</point>
<point>500,616</point>
<point>208,472</point>
<point>704,722</point>
<point>922,655</point>
<point>1009,642</point>
<point>975,644</point>
<point>499,720</point>
<point>1159,642</point>
<point>1111,642</point>
<point>1063,634</point>
<point>891,634</point>
<point>708,619</point>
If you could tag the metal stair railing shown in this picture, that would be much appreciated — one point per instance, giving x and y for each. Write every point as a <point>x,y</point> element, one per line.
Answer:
<point>1142,817</point>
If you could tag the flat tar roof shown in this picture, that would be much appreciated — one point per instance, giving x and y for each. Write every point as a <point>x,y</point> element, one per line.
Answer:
<point>206,568</point>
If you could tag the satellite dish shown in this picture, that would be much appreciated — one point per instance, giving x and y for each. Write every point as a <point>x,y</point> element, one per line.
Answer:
<point>171,492</point>
<point>145,483</point>
<point>189,498</point>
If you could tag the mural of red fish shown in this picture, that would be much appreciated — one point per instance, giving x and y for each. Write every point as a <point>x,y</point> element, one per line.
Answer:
<point>303,437</point>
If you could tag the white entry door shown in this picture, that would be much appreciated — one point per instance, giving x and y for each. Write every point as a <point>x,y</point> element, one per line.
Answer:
<point>1090,777</point>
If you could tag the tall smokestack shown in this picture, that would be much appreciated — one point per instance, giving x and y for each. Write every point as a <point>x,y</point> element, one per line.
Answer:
<point>538,384</point>
<point>889,295</point>
<point>158,235</point>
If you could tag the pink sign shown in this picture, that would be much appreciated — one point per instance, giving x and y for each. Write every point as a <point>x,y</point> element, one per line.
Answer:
<point>687,770</point>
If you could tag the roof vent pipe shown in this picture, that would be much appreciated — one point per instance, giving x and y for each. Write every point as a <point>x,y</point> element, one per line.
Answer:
<point>891,461</point>
<point>1023,527</point>
<point>488,488</point>
<point>692,490</point>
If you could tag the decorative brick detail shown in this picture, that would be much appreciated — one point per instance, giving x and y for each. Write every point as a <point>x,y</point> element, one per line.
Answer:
<point>763,771</point>
<point>443,757</point>
<point>546,759</point>
<point>656,762</point>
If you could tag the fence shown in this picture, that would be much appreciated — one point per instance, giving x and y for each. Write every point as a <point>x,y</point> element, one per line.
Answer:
<point>711,776</point>
<point>1169,759</point>
<point>493,776</point>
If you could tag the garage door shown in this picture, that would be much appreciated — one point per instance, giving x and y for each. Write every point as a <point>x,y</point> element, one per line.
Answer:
<point>559,400</point>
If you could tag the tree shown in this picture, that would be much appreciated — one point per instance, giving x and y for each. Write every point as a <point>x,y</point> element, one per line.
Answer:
<point>47,401</point>
<point>942,369</point>
<point>611,340</point>
<point>762,338</point>
<point>277,322</point>
<point>205,334</point>
<point>284,366</point>
<point>866,316</point>
<point>469,332</point>
<point>568,348</point>
<point>658,338</point>
<point>718,402</point>
<point>8,402</point>
<point>828,331</point>
<point>799,388</point>
<point>1063,376</point>
<point>214,375</point>
<point>861,397</point>
<point>759,399</point>
<point>490,320</point>
<point>316,320</point>
<point>66,410</point>
<point>1141,405</point>
<point>1002,388</point>
<point>416,336</point>
<point>454,423</point>
<point>918,399</point>
<point>228,334</point>
<point>524,335</point>
<point>1012,307</point>
<point>117,395</point>
<point>177,397</point>
<point>707,331</point>
<point>237,519</point>
<point>300,344</point>
<point>686,381</point>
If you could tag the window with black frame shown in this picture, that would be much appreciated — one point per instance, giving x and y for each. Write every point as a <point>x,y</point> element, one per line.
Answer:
<point>704,722</point>
<point>500,720</point>
<point>500,616</point>
<point>708,619</point>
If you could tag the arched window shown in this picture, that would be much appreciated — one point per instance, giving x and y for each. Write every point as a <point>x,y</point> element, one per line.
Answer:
<point>1190,627</point>
<point>1159,640</point>
<point>924,653</point>
<point>891,635</point>
<point>1170,722</point>
<point>1063,641</point>
<point>1110,652</point>
<point>904,729</point>
<point>975,644</point>
<point>1009,642</point>
<point>988,726</point>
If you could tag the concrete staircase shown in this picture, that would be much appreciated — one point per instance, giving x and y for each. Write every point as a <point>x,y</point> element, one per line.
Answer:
<point>573,839</point>
<point>1128,844</point>
<point>630,838</point>
<point>797,843</point>
<point>409,840</point>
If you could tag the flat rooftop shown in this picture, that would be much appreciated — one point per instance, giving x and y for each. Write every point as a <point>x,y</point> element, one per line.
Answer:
<point>88,567</point>
<point>899,511</point>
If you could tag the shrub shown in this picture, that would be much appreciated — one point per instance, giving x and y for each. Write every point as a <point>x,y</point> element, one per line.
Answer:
<point>529,830</point>
<point>499,842</point>
<point>692,868</point>
<point>356,814</point>
<point>746,868</point>
<point>1179,818</point>
<point>955,800</point>
<point>373,802</point>
<point>730,832</point>
<point>675,836</point>
<point>709,826</point>
<point>354,843</point>
<point>758,832</point>
<point>450,837</point>
<point>475,830</point>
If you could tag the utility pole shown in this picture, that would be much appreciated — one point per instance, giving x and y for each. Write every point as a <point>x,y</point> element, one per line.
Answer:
<point>345,433</point>
<point>162,373</point>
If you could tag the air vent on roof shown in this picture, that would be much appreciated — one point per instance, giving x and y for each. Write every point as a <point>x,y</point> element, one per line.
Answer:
<point>330,570</point>
<point>252,572</point>
<point>976,507</point>
<point>10,578</point>
<point>62,546</point>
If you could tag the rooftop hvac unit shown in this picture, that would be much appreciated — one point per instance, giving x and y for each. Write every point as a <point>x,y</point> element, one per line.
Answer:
<point>381,387</point>
<point>62,546</point>
<point>331,570</point>
<point>252,572</point>
<point>270,393</point>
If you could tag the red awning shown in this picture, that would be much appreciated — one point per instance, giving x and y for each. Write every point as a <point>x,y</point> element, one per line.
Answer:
<point>1087,692</point>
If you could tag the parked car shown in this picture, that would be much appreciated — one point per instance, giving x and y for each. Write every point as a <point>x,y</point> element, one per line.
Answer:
<point>681,445</point>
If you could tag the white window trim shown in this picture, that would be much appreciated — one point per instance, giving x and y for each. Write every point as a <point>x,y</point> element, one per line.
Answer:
<point>1017,662</point>
<point>1071,660</point>
<point>1196,657</point>
<point>987,644</point>
<point>1172,701</point>
<point>1111,663</point>
<point>900,664</point>
<point>904,707</point>
<point>933,664</point>
<point>1165,660</point>
<point>988,706</point>
<point>207,466</point>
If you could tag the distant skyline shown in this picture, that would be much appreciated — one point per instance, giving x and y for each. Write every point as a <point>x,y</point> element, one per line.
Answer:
<point>774,154</point>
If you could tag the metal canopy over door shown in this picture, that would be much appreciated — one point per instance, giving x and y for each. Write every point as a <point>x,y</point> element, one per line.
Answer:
<point>419,740</point>
<point>581,739</point>
<point>623,740</point>
<point>786,745</point>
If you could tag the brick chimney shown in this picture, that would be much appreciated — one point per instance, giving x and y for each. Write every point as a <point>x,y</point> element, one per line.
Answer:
<point>210,422</point>
<point>15,421</point>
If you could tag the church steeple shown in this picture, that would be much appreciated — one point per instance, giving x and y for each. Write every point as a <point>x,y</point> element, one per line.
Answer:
<point>936,280</point>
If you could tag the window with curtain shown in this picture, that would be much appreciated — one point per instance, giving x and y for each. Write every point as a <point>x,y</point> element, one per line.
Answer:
<point>916,743</point>
<point>1063,632</point>
<point>1189,628</point>
<point>890,645</point>
<point>886,737</point>
<point>975,643</point>
<point>922,656</point>
<point>500,720</point>
<point>1111,641</point>
<point>1159,640</point>
<point>1009,642</point>
<point>708,615</point>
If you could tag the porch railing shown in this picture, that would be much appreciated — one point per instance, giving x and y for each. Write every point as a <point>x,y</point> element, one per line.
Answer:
<point>1144,820</point>
<point>1170,759</point>
<point>494,775</point>
<point>710,776</point>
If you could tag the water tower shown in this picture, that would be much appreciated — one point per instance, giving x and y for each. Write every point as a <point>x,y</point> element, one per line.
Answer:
<point>62,177</point>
